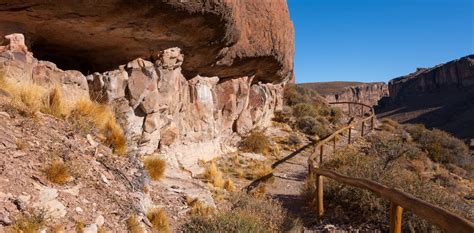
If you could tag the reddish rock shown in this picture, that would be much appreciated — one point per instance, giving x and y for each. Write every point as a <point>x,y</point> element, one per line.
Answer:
<point>222,38</point>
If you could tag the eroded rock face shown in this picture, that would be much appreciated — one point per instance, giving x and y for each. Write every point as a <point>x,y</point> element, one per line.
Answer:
<point>369,93</point>
<point>440,97</point>
<point>185,119</point>
<point>224,38</point>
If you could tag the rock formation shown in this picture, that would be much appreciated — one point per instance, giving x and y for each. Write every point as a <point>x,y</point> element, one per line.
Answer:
<point>221,38</point>
<point>367,93</point>
<point>440,97</point>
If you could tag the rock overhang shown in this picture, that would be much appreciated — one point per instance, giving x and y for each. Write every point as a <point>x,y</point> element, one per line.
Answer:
<point>224,38</point>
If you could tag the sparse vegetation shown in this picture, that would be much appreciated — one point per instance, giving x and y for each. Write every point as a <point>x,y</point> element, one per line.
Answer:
<point>158,219</point>
<point>247,214</point>
<point>133,224</point>
<point>57,172</point>
<point>198,208</point>
<point>28,223</point>
<point>155,167</point>
<point>256,142</point>
<point>311,126</point>
<point>229,185</point>
<point>213,175</point>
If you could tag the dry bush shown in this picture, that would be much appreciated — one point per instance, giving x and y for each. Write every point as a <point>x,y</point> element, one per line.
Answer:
<point>80,226</point>
<point>311,126</point>
<point>21,144</point>
<point>360,206</point>
<point>303,110</point>
<point>247,214</point>
<point>155,167</point>
<point>284,115</point>
<point>28,223</point>
<point>257,169</point>
<point>389,125</point>
<point>101,229</point>
<point>57,172</point>
<point>134,225</point>
<point>336,115</point>
<point>293,140</point>
<point>158,219</point>
<point>260,191</point>
<point>256,142</point>
<point>441,146</point>
<point>88,115</point>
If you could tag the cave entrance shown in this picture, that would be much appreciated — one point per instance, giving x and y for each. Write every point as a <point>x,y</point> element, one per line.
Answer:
<point>70,58</point>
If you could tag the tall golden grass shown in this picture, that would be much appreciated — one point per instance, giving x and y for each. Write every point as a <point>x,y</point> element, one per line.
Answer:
<point>29,98</point>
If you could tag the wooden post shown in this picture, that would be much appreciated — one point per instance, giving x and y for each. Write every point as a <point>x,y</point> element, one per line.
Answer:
<point>362,110</point>
<point>349,108</point>
<point>334,145</point>
<point>319,194</point>
<point>362,130</point>
<point>396,212</point>
<point>349,137</point>
<point>321,154</point>
<point>372,123</point>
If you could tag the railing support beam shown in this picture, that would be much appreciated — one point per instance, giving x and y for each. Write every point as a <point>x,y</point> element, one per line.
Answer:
<point>319,195</point>
<point>362,130</point>
<point>321,154</point>
<point>349,137</point>
<point>396,212</point>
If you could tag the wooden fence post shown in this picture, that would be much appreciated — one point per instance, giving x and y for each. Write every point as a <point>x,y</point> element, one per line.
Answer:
<point>349,136</point>
<point>349,108</point>
<point>372,123</point>
<point>321,154</point>
<point>362,130</point>
<point>362,110</point>
<point>396,212</point>
<point>320,193</point>
<point>334,145</point>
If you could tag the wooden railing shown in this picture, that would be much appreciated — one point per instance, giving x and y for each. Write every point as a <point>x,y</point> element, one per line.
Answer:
<point>399,200</point>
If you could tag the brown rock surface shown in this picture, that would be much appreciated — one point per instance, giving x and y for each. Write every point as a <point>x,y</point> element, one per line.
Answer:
<point>440,97</point>
<point>219,38</point>
<point>367,93</point>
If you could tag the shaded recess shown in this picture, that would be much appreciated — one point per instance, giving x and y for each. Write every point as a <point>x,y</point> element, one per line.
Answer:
<point>218,37</point>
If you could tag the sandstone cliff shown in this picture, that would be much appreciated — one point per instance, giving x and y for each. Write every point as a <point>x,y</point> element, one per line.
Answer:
<point>367,93</point>
<point>440,97</point>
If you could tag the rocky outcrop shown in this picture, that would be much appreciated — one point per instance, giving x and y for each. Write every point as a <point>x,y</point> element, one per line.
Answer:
<point>340,91</point>
<point>441,97</point>
<point>223,38</point>
<point>368,93</point>
<point>161,110</point>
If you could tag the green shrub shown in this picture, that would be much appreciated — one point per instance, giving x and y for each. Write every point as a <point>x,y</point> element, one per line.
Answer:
<point>311,126</point>
<point>441,146</point>
<point>304,109</point>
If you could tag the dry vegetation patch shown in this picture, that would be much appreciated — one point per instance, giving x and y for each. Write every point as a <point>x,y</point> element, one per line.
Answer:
<point>158,219</point>
<point>57,172</point>
<point>155,167</point>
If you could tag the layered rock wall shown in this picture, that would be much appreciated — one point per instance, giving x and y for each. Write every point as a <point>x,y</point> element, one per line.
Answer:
<point>369,94</point>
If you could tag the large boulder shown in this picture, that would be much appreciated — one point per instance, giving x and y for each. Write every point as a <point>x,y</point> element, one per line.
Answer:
<point>223,38</point>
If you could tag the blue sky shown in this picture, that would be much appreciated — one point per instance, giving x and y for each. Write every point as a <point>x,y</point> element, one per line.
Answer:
<point>377,40</point>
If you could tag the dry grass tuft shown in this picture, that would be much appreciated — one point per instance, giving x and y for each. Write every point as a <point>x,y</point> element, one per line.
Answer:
<point>198,208</point>
<point>88,114</point>
<point>260,191</point>
<point>229,185</point>
<point>80,225</point>
<point>155,167</point>
<point>214,176</point>
<point>134,225</point>
<point>20,144</point>
<point>28,223</point>
<point>56,105</point>
<point>257,169</point>
<point>158,219</point>
<point>57,172</point>
<point>101,229</point>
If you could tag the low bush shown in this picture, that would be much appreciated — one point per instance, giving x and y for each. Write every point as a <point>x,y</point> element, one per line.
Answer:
<point>57,172</point>
<point>28,223</point>
<point>134,225</point>
<point>309,125</point>
<point>336,115</point>
<point>246,214</point>
<point>358,206</point>
<point>155,167</point>
<point>441,146</point>
<point>158,219</point>
<point>256,142</point>
<point>303,110</point>
<point>284,115</point>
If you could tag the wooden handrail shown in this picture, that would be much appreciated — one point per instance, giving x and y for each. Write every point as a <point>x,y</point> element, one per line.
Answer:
<point>446,220</point>
<point>399,200</point>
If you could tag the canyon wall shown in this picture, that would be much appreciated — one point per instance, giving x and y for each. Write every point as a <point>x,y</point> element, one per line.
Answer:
<point>367,93</point>
<point>440,97</point>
